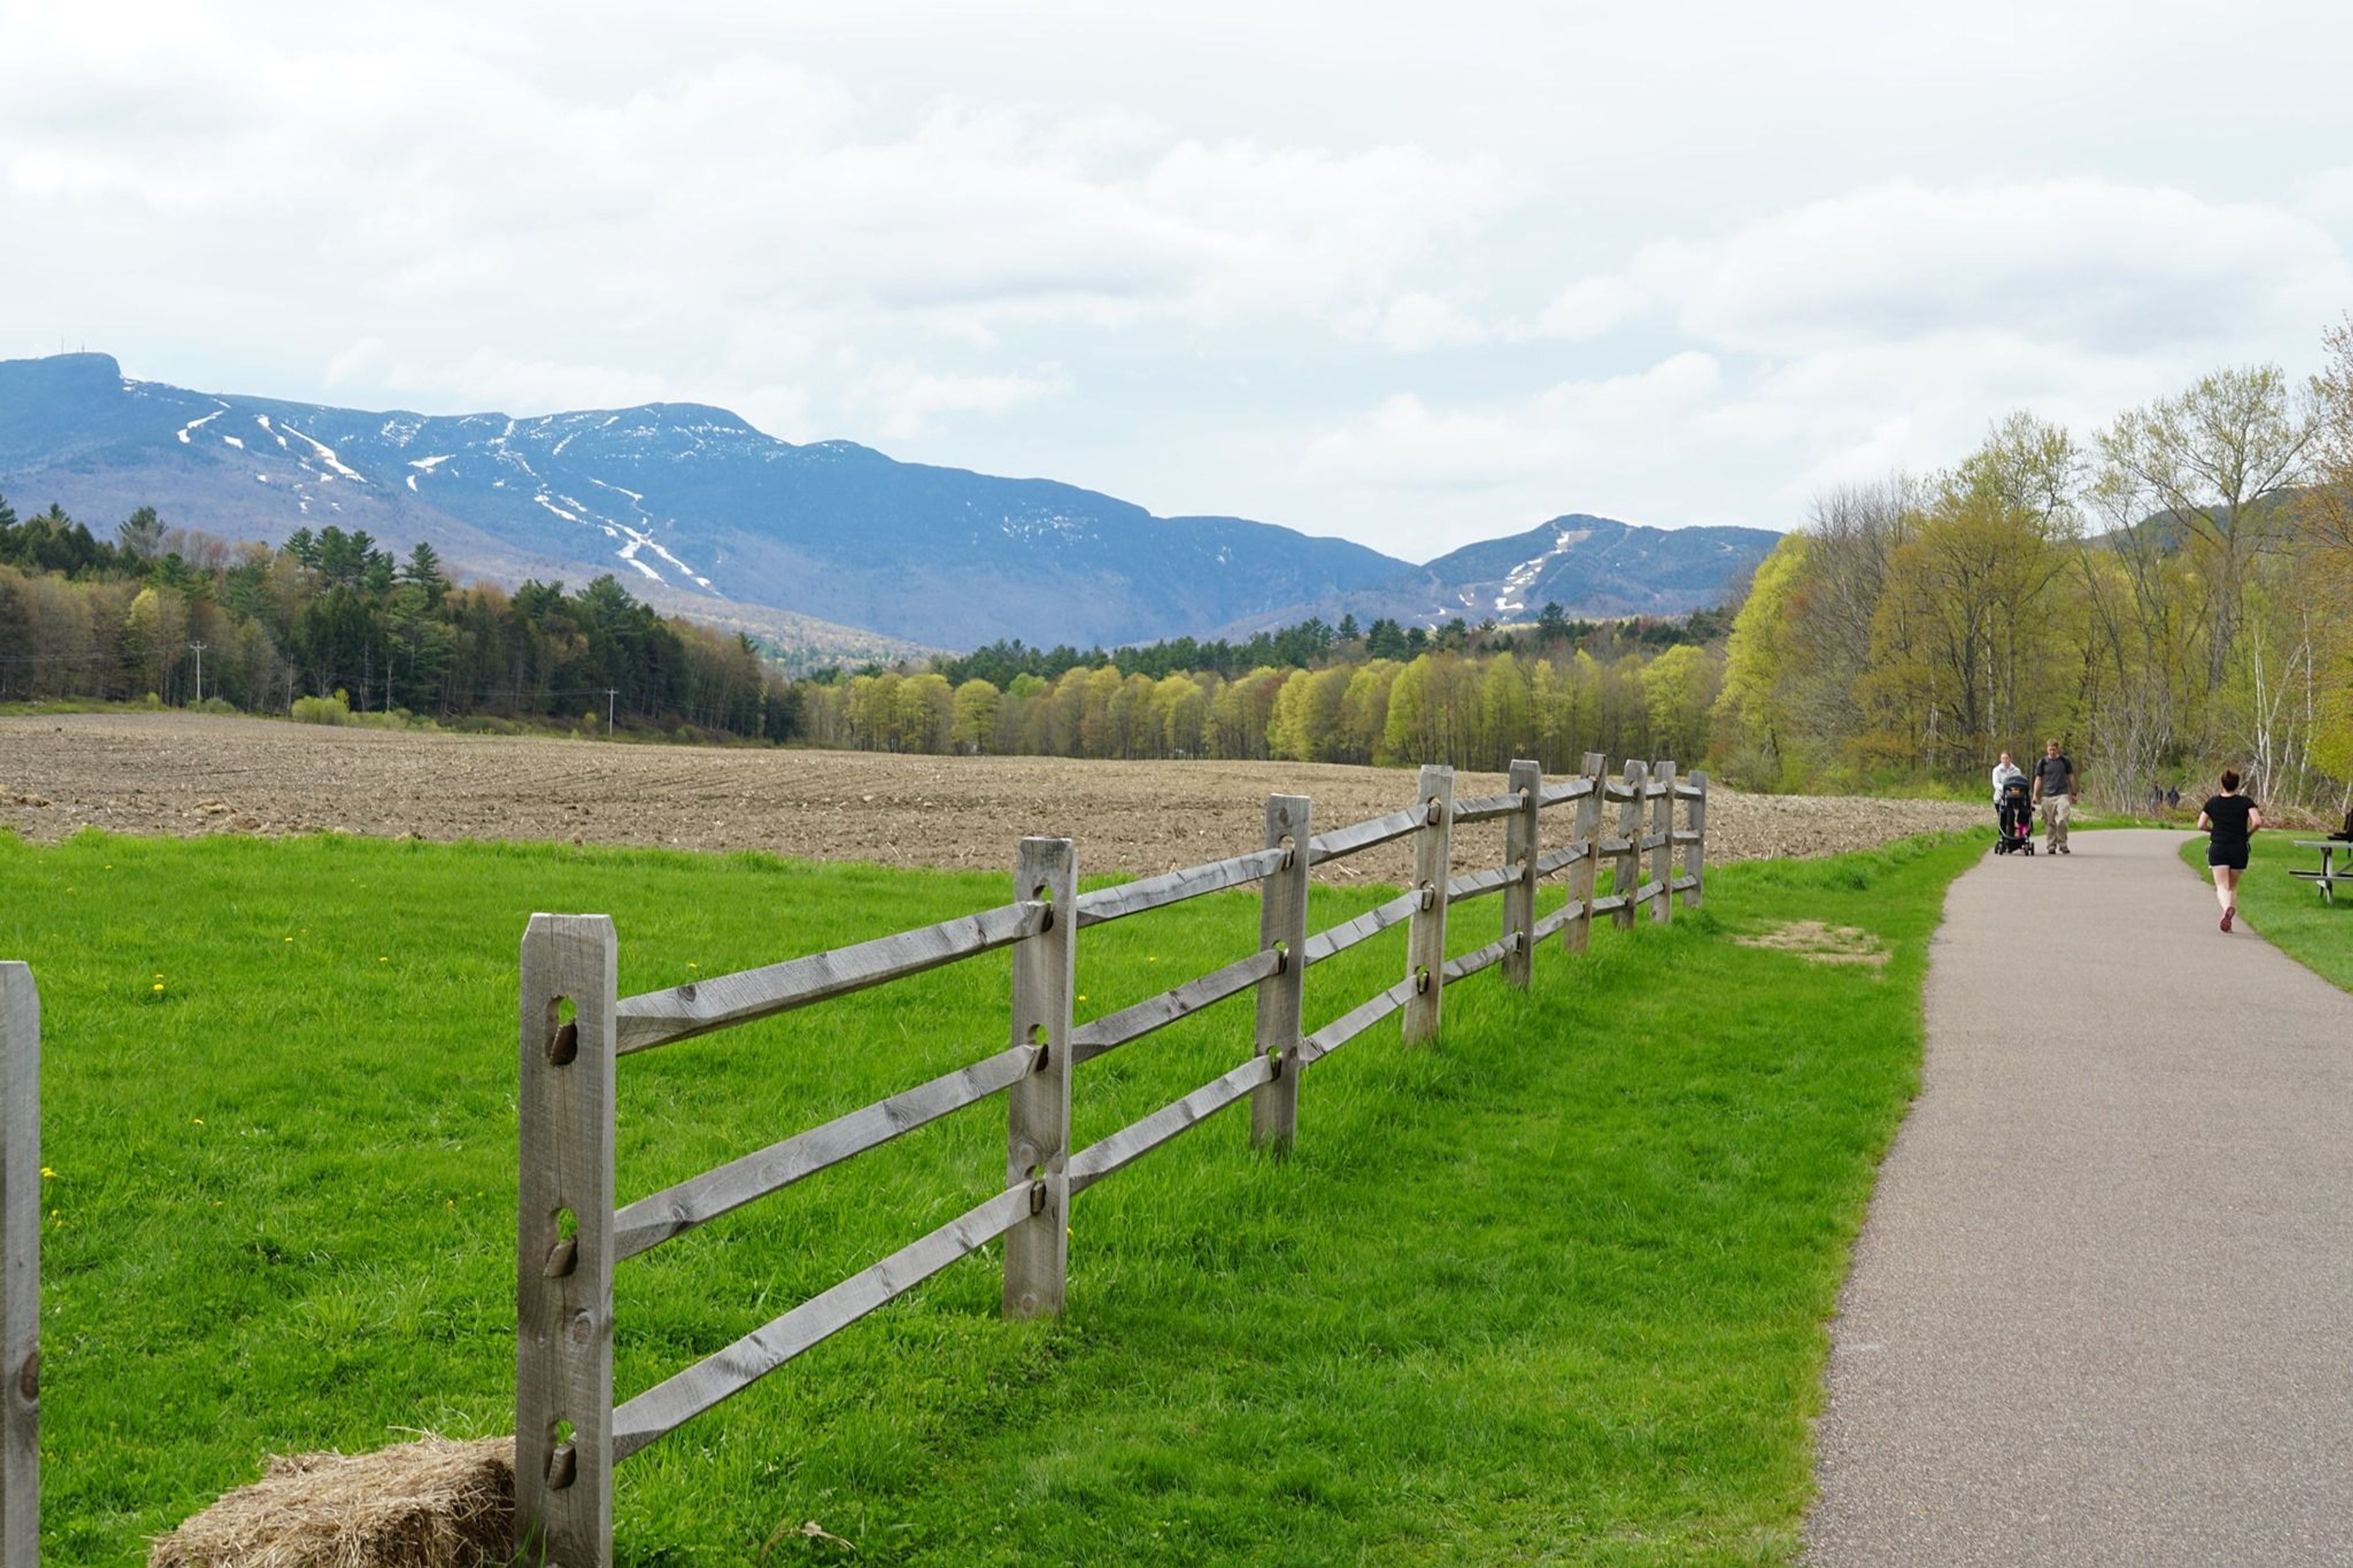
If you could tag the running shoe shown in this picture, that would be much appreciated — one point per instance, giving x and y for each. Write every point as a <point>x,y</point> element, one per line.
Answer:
<point>2226,918</point>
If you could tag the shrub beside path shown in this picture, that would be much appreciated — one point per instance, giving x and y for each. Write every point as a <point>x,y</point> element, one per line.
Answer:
<point>2102,1308</point>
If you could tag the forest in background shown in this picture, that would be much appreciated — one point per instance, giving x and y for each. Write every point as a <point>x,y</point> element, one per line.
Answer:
<point>2172,597</point>
<point>330,626</point>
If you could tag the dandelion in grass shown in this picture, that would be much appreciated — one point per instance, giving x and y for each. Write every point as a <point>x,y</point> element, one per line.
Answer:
<point>197,1119</point>
<point>158,988</point>
<point>48,1175</point>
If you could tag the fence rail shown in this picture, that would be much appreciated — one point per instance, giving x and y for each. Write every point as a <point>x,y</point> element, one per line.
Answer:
<point>573,1027</point>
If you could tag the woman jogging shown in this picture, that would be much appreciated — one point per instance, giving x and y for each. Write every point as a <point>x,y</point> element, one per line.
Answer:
<point>2227,818</point>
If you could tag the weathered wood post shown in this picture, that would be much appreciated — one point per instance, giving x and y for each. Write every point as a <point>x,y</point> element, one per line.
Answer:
<point>1433,862</point>
<point>20,1267</point>
<point>1281,923</point>
<point>1627,870</point>
<point>564,1245</point>
<point>1521,835</point>
<point>1663,830</point>
<point>1578,932</point>
<point>1695,849</point>
<point>1038,1133</point>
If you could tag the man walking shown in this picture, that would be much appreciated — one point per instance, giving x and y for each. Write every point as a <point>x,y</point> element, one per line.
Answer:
<point>2054,786</point>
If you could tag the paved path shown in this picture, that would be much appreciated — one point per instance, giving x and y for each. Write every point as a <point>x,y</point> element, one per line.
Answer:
<point>2102,1311</point>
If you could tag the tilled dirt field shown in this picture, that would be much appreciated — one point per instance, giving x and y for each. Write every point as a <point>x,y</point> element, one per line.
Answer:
<point>176,773</point>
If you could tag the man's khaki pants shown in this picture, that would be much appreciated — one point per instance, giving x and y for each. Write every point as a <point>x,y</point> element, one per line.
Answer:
<point>2055,821</point>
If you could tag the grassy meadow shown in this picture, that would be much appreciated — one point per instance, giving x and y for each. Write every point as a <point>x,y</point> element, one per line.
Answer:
<point>1550,1290</point>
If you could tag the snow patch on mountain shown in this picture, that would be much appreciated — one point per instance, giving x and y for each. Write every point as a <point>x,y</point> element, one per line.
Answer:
<point>199,423</point>
<point>327,456</point>
<point>1515,582</point>
<point>1044,525</point>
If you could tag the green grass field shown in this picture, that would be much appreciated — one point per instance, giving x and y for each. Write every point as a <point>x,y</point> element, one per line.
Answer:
<point>2286,911</point>
<point>1550,1290</point>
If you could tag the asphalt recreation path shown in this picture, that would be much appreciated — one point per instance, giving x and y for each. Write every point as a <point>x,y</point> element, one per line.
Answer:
<point>2102,1308</point>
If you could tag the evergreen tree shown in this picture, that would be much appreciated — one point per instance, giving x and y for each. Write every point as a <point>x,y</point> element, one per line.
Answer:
<point>141,533</point>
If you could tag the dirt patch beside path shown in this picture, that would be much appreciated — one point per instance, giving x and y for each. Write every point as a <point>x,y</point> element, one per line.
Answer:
<point>186,774</point>
<point>1818,943</point>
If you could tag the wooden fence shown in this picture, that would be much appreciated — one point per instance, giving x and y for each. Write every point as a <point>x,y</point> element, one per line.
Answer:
<point>575,1027</point>
<point>20,1267</point>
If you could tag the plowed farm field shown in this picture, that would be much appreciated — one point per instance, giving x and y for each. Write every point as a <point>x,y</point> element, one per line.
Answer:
<point>185,774</point>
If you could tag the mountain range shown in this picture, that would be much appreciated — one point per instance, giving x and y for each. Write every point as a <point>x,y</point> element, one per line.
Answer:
<point>830,546</point>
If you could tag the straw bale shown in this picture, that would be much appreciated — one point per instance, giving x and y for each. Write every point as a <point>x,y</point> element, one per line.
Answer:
<point>435,1503</point>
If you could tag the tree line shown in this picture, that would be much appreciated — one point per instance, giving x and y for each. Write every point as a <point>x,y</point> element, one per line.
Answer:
<point>1501,695</point>
<point>2171,597</point>
<point>156,610</point>
<point>183,616</point>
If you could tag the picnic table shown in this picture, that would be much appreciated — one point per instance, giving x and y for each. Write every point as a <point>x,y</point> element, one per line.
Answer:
<point>2330,873</point>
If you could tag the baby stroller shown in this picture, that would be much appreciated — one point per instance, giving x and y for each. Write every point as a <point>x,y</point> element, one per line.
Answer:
<point>2015,810</point>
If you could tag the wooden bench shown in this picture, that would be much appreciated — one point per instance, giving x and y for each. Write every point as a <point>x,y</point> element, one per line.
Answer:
<point>2330,872</point>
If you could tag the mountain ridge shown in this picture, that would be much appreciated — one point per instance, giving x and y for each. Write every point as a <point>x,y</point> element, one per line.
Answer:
<point>691,505</point>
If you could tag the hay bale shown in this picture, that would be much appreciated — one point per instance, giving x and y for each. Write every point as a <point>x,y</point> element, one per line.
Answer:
<point>436,1503</point>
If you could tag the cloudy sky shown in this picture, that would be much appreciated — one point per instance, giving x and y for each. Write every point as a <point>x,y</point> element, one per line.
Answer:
<point>1411,274</point>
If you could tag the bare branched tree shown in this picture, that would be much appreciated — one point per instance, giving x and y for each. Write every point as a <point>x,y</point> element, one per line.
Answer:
<point>2211,466</point>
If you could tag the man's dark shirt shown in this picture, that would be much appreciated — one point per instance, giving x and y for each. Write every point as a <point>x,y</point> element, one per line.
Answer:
<point>2053,773</point>
<point>2228,815</point>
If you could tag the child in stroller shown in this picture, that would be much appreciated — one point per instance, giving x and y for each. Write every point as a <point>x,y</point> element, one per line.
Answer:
<point>2015,811</point>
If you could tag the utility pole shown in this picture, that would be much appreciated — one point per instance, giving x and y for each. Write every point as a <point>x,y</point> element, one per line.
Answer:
<point>609,692</point>
<point>200,672</point>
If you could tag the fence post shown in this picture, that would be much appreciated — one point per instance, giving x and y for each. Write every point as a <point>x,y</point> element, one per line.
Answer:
<point>1663,828</point>
<point>1520,836</point>
<point>1038,1131</point>
<point>564,1245</point>
<point>20,1267</point>
<point>1578,931</point>
<point>1627,878</point>
<point>1695,852</point>
<point>1433,862</point>
<point>1282,922</point>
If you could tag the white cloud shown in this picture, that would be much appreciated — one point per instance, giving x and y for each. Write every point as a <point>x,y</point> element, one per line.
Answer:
<point>1469,272</point>
<point>1590,306</point>
<point>1415,322</point>
<point>2081,261</point>
<point>1880,330</point>
<point>907,399</point>
<point>1571,425</point>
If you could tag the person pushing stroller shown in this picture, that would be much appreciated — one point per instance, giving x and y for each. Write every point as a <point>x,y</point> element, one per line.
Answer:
<point>2013,804</point>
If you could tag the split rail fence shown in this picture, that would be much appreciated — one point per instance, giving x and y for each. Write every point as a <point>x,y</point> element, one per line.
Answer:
<point>574,1028</point>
